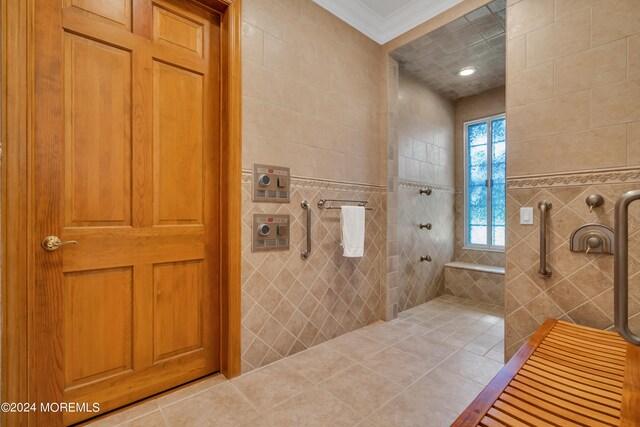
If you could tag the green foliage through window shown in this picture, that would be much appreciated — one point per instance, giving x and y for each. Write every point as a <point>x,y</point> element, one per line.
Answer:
<point>486,182</point>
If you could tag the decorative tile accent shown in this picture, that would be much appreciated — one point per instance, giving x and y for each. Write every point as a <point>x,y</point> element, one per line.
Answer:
<point>290,304</point>
<point>608,177</point>
<point>474,285</point>
<point>580,289</point>
<point>422,281</point>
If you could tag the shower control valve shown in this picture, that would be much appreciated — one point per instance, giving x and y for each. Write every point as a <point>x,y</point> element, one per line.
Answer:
<point>264,229</point>
<point>264,180</point>
<point>425,258</point>
<point>427,226</point>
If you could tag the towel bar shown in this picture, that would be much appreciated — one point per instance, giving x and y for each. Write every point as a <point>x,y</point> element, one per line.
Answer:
<point>322,203</point>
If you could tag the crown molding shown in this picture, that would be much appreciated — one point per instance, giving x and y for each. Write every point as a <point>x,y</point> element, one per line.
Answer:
<point>383,29</point>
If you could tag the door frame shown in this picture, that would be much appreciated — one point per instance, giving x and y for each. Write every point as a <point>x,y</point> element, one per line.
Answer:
<point>18,240</point>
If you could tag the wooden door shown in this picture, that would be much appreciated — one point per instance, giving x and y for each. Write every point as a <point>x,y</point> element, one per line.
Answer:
<point>126,155</point>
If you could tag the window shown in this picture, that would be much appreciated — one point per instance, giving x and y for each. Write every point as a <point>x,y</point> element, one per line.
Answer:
<point>485,183</point>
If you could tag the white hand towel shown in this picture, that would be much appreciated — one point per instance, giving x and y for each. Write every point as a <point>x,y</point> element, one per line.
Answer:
<point>352,226</point>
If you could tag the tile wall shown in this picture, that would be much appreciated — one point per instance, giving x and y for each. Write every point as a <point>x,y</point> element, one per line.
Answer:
<point>290,304</point>
<point>573,114</point>
<point>311,94</point>
<point>486,104</point>
<point>573,85</point>
<point>311,102</point>
<point>425,159</point>
<point>391,291</point>
<point>423,281</point>
<point>580,288</point>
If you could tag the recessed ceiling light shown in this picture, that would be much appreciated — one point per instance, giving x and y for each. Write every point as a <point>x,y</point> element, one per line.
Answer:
<point>466,71</point>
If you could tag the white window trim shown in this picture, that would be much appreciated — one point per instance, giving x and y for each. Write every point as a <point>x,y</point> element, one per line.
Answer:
<point>465,154</point>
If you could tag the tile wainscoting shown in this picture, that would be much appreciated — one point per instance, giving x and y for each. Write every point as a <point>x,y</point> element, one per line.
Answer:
<point>422,281</point>
<point>580,289</point>
<point>290,304</point>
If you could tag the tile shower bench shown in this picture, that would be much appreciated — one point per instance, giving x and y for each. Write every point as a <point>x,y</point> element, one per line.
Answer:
<point>483,283</point>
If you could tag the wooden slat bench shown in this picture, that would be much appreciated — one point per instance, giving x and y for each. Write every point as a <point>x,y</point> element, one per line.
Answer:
<point>565,375</point>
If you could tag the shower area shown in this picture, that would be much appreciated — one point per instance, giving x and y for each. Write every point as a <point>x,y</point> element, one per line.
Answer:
<point>446,163</point>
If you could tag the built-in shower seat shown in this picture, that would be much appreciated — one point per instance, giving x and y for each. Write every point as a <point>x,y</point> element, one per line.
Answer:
<point>565,375</point>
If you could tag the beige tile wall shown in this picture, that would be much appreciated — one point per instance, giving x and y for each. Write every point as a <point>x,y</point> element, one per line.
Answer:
<point>290,304</point>
<point>311,101</point>
<point>391,291</point>
<point>425,154</point>
<point>422,281</point>
<point>580,289</point>
<point>573,85</point>
<point>573,94</point>
<point>425,134</point>
<point>311,94</point>
<point>572,106</point>
<point>486,104</point>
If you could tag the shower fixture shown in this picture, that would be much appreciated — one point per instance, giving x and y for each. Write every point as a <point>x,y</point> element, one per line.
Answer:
<point>594,201</point>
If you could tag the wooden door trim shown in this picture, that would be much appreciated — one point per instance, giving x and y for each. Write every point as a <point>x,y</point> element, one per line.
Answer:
<point>18,243</point>
<point>231,186</point>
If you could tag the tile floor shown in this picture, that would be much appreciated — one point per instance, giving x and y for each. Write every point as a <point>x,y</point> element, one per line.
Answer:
<point>421,369</point>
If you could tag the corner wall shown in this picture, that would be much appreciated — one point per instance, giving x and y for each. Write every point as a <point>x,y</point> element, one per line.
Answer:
<point>573,128</point>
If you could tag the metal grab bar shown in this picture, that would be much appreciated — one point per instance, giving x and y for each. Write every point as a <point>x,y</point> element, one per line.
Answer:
<point>621,266</point>
<point>544,207</point>
<point>307,252</point>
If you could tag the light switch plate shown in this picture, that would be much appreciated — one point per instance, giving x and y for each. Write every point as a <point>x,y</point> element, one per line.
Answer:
<point>526,216</point>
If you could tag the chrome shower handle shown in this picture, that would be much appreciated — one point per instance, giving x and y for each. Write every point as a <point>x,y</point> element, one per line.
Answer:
<point>621,266</point>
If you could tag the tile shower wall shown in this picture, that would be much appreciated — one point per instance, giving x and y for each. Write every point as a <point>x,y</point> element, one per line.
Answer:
<point>311,101</point>
<point>580,289</point>
<point>391,290</point>
<point>423,281</point>
<point>425,158</point>
<point>311,93</point>
<point>486,104</point>
<point>290,304</point>
<point>573,87</point>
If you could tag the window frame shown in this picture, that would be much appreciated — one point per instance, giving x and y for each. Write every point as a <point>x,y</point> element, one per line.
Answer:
<point>465,156</point>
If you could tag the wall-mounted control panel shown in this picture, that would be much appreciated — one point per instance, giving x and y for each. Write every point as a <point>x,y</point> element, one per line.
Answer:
<point>270,232</point>
<point>271,184</point>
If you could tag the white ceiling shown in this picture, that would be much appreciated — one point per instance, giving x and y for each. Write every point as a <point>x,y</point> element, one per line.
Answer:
<point>384,20</point>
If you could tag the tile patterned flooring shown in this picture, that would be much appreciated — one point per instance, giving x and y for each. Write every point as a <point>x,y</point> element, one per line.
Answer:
<point>421,369</point>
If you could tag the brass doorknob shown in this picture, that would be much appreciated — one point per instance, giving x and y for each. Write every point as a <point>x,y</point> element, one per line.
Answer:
<point>52,243</point>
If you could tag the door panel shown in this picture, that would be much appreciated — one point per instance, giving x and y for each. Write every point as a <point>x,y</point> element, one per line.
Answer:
<point>127,161</point>
<point>114,11</point>
<point>177,308</point>
<point>98,313</point>
<point>177,30</point>
<point>177,130</point>
<point>97,133</point>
